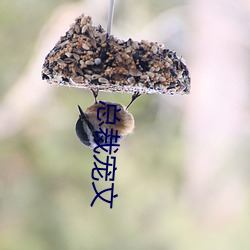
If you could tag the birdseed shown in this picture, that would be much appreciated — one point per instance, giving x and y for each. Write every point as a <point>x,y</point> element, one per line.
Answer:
<point>87,57</point>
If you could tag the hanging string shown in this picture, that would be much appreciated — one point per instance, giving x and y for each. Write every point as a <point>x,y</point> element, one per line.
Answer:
<point>110,16</point>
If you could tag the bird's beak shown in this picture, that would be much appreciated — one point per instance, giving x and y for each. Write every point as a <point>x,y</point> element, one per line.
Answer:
<point>82,114</point>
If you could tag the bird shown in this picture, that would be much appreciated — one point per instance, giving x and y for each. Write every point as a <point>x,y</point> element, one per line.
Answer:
<point>88,123</point>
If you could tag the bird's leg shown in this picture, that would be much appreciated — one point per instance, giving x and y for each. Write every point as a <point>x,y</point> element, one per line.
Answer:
<point>95,94</point>
<point>134,97</point>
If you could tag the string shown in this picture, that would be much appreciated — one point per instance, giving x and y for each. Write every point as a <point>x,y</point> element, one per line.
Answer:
<point>110,16</point>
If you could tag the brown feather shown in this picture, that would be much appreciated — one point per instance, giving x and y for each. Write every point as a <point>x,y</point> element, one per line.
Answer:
<point>124,127</point>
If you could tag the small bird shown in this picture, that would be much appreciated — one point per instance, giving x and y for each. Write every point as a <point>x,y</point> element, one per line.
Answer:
<point>88,123</point>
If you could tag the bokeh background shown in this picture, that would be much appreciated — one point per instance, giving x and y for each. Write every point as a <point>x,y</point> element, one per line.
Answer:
<point>183,176</point>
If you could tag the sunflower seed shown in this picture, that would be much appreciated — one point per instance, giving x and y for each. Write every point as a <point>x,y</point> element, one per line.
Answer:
<point>85,46</point>
<point>150,74</point>
<point>77,29</point>
<point>154,49</point>
<point>77,57</point>
<point>134,72</point>
<point>61,62</point>
<point>77,79</point>
<point>69,60</point>
<point>68,54</point>
<point>144,78</point>
<point>145,42</point>
<point>131,80</point>
<point>103,80</point>
<point>78,70</point>
<point>88,62</point>
<point>95,76</point>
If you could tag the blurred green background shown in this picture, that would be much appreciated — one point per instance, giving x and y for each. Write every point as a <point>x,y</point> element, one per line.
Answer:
<point>182,177</point>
